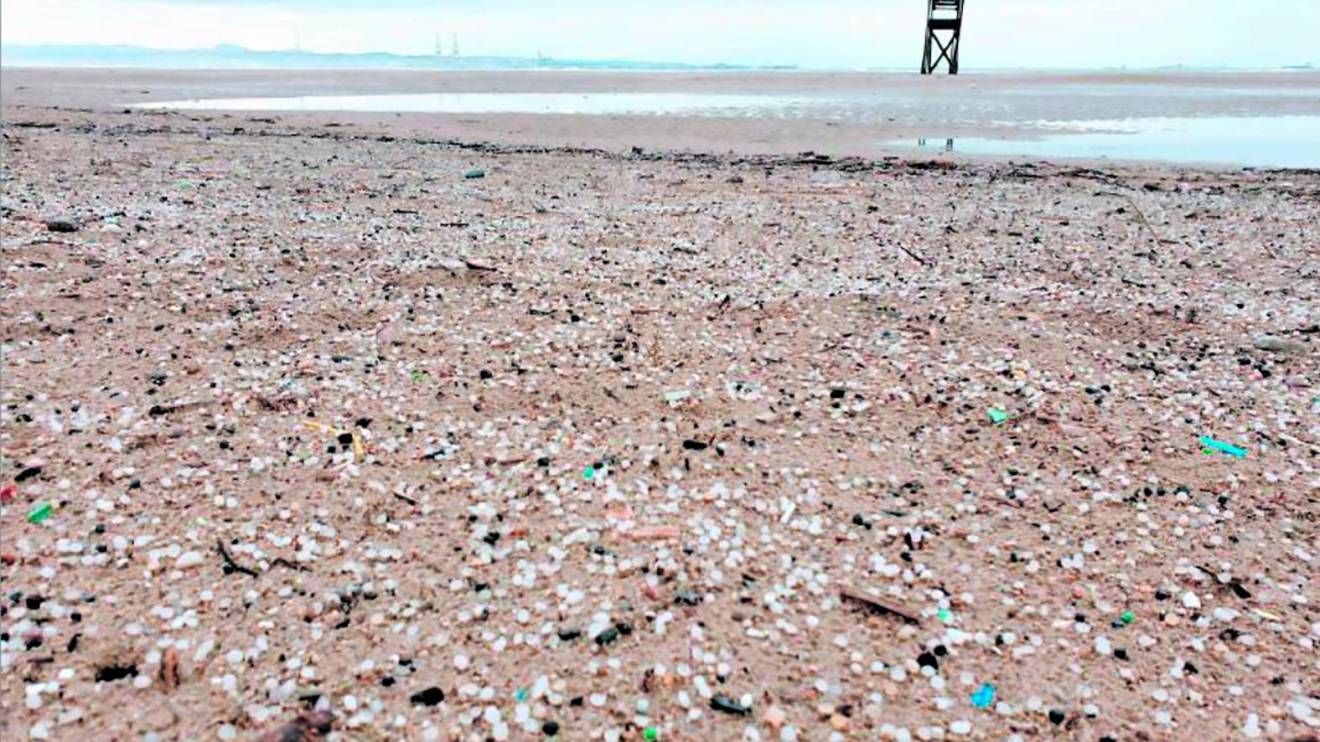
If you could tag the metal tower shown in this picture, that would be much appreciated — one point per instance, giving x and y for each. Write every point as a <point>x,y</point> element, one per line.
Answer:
<point>942,15</point>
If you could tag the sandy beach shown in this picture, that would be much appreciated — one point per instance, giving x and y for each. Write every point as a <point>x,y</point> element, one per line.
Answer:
<point>517,427</point>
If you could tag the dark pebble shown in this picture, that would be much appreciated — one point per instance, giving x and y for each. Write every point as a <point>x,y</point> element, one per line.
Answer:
<point>608,636</point>
<point>550,728</point>
<point>568,635</point>
<point>723,703</point>
<point>111,673</point>
<point>429,697</point>
<point>61,225</point>
<point>692,445</point>
<point>27,473</point>
<point>687,597</point>
<point>1056,716</point>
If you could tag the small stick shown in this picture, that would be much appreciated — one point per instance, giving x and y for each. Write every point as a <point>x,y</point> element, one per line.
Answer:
<point>406,499</point>
<point>910,254</point>
<point>877,605</point>
<point>229,560</point>
<point>1142,216</point>
<point>913,255</point>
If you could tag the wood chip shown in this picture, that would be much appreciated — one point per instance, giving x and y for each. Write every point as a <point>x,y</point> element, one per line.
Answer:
<point>879,605</point>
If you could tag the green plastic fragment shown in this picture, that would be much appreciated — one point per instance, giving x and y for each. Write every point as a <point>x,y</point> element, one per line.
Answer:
<point>650,733</point>
<point>997,416</point>
<point>520,695</point>
<point>1127,617</point>
<point>41,512</point>
<point>474,173</point>
<point>419,375</point>
<point>589,472</point>
<point>944,615</point>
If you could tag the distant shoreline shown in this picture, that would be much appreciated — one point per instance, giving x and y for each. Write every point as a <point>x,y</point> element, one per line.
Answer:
<point>230,57</point>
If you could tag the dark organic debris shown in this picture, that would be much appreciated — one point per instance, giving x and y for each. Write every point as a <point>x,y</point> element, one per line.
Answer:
<point>310,726</point>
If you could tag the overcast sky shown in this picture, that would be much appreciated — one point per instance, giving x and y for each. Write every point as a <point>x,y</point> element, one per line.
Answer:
<point>810,33</point>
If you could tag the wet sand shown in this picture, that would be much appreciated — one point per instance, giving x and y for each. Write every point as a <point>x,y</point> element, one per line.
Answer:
<point>997,105</point>
<point>456,440</point>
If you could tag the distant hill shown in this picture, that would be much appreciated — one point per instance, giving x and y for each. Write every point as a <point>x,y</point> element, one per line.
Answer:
<point>228,56</point>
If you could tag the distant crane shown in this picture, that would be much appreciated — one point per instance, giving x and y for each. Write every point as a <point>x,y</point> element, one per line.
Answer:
<point>941,16</point>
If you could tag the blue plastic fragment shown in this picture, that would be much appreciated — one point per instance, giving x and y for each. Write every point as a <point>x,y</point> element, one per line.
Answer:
<point>984,697</point>
<point>1227,448</point>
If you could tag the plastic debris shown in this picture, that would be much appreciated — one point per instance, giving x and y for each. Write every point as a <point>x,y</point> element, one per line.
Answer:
<point>1127,617</point>
<point>650,734</point>
<point>997,416</point>
<point>1227,448</point>
<point>944,615</point>
<point>984,697</point>
<point>589,472</point>
<point>40,513</point>
<point>474,173</point>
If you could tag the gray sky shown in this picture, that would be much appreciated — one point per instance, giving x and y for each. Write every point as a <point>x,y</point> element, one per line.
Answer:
<point>810,33</point>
